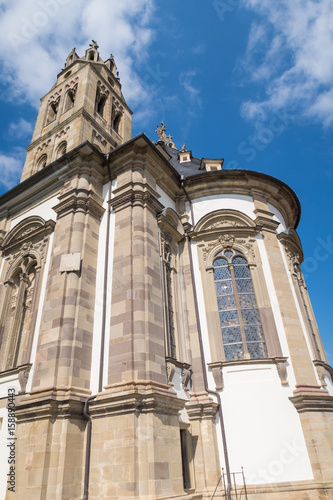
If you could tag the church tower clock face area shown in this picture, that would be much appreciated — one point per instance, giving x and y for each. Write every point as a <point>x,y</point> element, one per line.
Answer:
<point>156,331</point>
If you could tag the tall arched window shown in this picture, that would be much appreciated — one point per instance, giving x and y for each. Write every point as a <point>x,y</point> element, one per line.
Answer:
<point>52,110</point>
<point>240,322</point>
<point>168,299</point>
<point>16,319</point>
<point>70,99</point>
<point>100,103</point>
<point>116,123</point>
<point>24,249</point>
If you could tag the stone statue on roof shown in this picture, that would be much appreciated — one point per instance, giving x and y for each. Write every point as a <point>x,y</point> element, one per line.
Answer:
<point>93,45</point>
<point>162,137</point>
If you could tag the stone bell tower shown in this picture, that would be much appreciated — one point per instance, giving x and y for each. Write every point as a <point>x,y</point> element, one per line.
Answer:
<point>85,103</point>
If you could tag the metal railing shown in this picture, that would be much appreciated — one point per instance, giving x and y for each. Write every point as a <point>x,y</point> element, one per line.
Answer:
<point>233,491</point>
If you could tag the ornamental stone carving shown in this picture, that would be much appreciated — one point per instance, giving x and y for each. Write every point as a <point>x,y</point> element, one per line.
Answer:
<point>245,246</point>
<point>170,370</point>
<point>186,377</point>
<point>226,240</point>
<point>224,223</point>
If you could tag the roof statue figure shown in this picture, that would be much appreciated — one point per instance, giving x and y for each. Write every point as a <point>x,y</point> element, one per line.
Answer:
<point>162,137</point>
<point>93,45</point>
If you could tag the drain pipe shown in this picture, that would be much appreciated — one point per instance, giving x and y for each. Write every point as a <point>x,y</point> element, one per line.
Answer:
<point>101,366</point>
<point>88,447</point>
<point>203,361</point>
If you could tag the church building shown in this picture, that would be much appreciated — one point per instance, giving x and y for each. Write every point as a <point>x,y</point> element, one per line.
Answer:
<point>157,340</point>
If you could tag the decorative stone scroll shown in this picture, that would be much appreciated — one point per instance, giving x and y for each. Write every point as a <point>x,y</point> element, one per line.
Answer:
<point>281,365</point>
<point>186,377</point>
<point>218,376</point>
<point>323,369</point>
<point>23,376</point>
<point>170,370</point>
<point>186,372</point>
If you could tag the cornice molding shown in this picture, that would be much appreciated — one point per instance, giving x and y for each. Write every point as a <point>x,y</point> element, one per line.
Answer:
<point>79,204</point>
<point>306,403</point>
<point>136,198</point>
<point>151,401</point>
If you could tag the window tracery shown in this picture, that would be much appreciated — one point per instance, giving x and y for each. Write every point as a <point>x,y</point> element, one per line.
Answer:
<point>240,320</point>
<point>70,98</point>
<point>101,99</point>
<point>116,115</point>
<point>238,311</point>
<point>53,108</point>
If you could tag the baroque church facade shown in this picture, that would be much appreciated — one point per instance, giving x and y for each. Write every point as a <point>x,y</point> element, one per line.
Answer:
<point>154,320</point>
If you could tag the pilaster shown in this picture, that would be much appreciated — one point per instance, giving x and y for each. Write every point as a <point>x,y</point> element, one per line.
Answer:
<point>299,353</point>
<point>137,350</point>
<point>202,411</point>
<point>64,348</point>
<point>136,443</point>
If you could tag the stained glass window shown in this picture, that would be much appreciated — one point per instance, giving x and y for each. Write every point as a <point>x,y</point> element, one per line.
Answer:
<point>238,311</point>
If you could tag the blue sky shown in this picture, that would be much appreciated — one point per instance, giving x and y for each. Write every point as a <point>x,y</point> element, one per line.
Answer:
<point>249,81</point>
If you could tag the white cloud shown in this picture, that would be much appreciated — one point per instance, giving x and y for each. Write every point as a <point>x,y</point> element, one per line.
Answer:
<point>36,37</point>
<point>21,129</point>
<point>291,52</point>
<point>11,168</point>
<point>185,80</point>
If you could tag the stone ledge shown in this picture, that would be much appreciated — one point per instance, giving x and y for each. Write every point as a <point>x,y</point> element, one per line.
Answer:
<point>61,403</point>
<point>307,402</point>
<point>141,397</point>
<point>292,487</point>
<point>201,407</point>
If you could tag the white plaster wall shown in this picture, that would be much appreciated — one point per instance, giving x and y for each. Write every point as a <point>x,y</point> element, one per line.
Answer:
<point>264,433</point>
<point>98,316</point>
<point>329,386</point>
<point>278,218</point>
<point>165,199</point>
<point>44,210</point>
<point>181,394</point>
<point>203,206</point>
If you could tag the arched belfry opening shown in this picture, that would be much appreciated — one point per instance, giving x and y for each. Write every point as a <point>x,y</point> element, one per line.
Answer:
<point>92,53</point>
